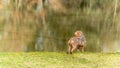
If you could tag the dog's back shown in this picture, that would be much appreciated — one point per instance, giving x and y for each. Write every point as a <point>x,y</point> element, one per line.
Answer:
<point>77,41</point>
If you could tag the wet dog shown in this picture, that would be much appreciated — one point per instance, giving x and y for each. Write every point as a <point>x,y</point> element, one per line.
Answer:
<point>77,42</point>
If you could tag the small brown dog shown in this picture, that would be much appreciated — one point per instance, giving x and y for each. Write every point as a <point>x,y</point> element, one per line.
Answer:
<point>76,42</point>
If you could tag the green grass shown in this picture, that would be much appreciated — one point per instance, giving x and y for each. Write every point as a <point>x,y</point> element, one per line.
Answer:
<point>59,60</point>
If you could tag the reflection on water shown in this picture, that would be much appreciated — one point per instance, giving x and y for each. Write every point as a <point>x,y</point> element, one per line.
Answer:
<point>29,25</point>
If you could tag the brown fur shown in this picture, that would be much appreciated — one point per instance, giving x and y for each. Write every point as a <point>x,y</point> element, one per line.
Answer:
<point>76,42</point>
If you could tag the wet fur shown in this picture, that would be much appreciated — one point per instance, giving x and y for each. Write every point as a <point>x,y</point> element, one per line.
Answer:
<point>77,42</point>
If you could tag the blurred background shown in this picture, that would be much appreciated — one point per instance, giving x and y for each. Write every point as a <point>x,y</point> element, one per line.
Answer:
<point>46,25</point>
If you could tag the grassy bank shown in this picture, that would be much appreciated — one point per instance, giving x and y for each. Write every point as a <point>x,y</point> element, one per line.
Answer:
<point>59,60</point>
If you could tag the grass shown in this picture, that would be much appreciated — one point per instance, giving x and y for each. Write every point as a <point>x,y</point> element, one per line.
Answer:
<point>59,60</point>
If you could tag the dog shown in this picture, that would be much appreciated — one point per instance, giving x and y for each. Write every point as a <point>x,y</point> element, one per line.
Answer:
<point>76,42</point>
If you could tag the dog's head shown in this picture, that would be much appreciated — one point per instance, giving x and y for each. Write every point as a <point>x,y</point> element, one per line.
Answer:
<point>78,33</point>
